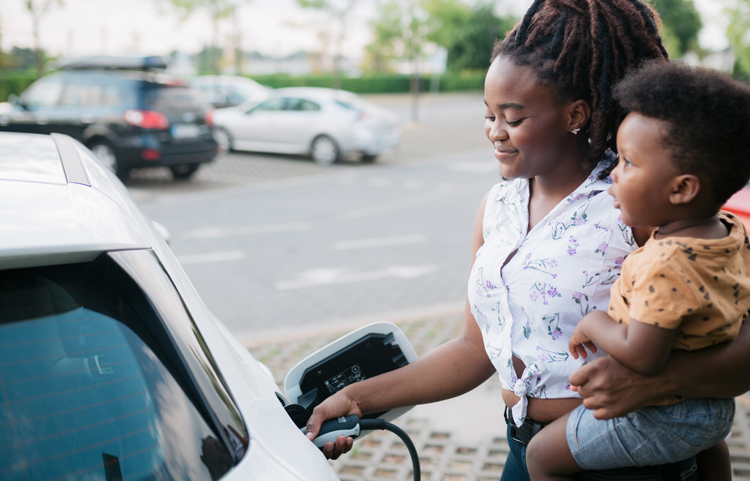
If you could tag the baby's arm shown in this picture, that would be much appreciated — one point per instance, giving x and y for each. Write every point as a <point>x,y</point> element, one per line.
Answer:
<point>642,347</point>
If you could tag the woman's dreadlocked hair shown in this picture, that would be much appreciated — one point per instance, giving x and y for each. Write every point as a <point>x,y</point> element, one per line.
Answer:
<point>582,48</point>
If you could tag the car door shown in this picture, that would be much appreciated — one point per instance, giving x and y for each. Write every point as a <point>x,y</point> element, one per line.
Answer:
<point>298,123</point>
<point>258,128</point>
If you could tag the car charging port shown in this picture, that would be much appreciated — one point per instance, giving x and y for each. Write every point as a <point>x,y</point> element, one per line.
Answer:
<point>370,355</point>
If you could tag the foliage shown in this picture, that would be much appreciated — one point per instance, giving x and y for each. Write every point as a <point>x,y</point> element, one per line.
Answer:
<point>738,34</point>
<point>339,11</point>
<point>681,19</point>
<point>377,83</point>
<point>219,10</point>
<point>470,44</point>
<point>205,60</point>
<point>15,82</point>
<point>405,27</point>
<point>401,32</point>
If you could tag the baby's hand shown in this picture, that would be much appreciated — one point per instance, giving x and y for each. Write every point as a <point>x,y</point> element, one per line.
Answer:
<point>577,342</point>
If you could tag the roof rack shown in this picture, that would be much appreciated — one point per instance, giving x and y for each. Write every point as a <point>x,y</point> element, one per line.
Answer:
<point>102,62</point>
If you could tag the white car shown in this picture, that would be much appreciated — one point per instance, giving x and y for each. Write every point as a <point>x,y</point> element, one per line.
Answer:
<point>325,124</point>
<point>111,367</point>
<point>230,90</point>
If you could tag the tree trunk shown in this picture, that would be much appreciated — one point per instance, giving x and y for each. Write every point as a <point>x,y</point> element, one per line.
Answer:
<point>38,47</point>
<point>415,91</point>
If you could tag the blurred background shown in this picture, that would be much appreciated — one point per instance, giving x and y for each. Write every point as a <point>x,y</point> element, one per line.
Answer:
<point>284,230</point>
<point>360,45</point>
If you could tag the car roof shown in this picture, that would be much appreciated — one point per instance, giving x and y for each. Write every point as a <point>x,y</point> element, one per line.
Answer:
<point>58,204</point>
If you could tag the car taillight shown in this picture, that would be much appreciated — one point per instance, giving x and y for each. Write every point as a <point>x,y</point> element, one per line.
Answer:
<point>147,119</point>
<point>209,119</point>
<point>362,116</point>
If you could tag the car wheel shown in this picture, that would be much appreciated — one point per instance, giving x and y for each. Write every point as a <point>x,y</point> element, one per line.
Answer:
<point>105,152</point>
<point>183,171</point>
<point>223,139</point>
<point>369,159</point>
<point>324,150</point>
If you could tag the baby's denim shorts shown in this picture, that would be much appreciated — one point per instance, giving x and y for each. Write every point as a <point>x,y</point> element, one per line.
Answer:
<point>651,436</point>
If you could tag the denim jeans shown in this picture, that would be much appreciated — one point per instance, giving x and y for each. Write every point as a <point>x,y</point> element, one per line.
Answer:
<point>516,470</point>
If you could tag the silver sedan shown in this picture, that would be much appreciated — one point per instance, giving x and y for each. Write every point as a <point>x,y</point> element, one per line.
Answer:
<point>325,124</point>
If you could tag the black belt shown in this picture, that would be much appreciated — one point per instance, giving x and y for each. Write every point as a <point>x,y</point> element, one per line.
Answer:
<point>522,434</point>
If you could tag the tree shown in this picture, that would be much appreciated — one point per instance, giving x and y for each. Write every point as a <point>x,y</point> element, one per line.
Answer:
<point>681,19</point>
<point>339,11</point>
<point>738,34</point>
<point>468,34</point>
<point>218,10</point>
<point>38,9</point>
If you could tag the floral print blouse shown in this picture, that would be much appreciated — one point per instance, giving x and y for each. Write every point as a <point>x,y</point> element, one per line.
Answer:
<point>563,268</point>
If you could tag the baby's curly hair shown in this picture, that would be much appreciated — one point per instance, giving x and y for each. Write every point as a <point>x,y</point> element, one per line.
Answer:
<point>582,48</point>
<point>709,117</point>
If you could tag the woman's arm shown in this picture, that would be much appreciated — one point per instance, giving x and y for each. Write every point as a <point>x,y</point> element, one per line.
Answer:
<point>612,390</point>
<point>449,370</point>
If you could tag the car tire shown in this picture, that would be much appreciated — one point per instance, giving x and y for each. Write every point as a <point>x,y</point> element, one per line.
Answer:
<point>183,171</point>
<point>368,159</point>
<point>324,150</point>
<point>105,152</point>
<point>223,139</point>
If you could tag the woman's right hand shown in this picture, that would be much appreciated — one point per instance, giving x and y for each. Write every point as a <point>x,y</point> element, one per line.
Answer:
<point>340,404</point>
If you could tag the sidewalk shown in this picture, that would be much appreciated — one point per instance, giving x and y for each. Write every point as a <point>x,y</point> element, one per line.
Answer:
<point>462,439</point>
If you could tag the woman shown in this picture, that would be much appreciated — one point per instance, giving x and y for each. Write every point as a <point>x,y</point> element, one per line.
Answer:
<point>547,241</point>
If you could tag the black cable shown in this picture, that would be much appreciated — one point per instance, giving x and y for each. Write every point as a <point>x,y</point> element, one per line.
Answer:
<point>372,424</point>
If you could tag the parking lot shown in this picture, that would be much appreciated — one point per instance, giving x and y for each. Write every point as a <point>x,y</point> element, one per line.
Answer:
<point>447,123</point>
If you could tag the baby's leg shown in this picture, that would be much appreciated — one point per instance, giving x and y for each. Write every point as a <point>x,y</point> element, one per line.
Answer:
<point>714,463</point>
<point>548,455</point>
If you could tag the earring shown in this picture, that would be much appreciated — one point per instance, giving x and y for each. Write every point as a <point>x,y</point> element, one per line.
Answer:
<point>575,131</point>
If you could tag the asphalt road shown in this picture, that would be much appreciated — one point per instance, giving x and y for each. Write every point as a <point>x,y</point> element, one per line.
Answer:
<point>279,244</point>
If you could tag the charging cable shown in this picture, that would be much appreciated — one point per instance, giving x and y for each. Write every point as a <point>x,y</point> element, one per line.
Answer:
<point>352,426</point>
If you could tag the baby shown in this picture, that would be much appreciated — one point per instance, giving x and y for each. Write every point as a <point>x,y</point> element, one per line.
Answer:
<point>684,149</point>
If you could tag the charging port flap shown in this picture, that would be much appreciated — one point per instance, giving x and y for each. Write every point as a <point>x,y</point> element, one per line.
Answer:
<point>371,350</point>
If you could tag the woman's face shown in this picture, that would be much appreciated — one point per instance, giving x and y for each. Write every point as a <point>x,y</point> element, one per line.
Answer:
<point>527,127</point>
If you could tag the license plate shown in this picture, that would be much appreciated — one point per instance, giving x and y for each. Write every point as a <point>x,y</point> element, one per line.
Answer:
<point>181,131</point>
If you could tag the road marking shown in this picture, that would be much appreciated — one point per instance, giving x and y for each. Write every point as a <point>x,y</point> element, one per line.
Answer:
<point>211,257</point>
<point>322,277</point>
<point>215,232</point>
<point>477,167</point>
<point>379,242</point>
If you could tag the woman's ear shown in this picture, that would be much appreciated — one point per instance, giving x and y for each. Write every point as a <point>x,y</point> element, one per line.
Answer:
<point>685,188</point>
<point>580,112</point>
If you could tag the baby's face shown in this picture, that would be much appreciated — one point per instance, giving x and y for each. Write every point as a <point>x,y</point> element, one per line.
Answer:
<point>642,178</point>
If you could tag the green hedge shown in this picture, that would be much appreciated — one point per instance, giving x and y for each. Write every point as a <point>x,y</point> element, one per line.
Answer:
<point>15,83</point>
<point>368,84</point>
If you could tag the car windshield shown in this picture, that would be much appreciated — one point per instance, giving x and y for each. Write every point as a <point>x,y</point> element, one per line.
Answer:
<point>86,393</point>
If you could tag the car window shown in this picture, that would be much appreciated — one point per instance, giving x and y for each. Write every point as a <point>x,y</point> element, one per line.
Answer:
<point>301,104</point>
<point>43,93</point>
<point>84,94</point>
<point>353,102</point>
<point>162,98</point>
<point>87,391</point>
<point>270,105</point>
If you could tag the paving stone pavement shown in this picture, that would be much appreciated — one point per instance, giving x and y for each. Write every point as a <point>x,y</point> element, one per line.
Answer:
<point>449,448</point>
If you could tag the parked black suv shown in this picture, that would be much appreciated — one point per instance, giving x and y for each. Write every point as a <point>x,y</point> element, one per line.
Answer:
<point>126,112</point>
